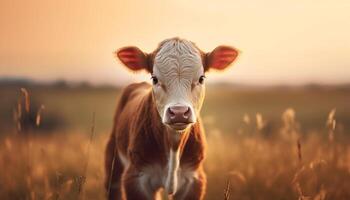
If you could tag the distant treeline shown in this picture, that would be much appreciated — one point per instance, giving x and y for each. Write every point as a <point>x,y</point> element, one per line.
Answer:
<point>64,84</point>
<point>23,82</point>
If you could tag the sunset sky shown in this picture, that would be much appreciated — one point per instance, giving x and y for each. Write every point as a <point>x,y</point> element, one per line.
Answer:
<point>282,41</point>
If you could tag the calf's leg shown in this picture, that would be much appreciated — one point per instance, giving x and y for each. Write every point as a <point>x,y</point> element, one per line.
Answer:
<point>137,185</point>
<point>193,187</point>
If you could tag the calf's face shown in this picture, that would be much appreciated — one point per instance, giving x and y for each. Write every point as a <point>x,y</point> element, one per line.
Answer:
<point>177,71</point>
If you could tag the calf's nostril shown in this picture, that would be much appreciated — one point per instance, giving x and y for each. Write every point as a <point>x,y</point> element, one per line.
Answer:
<point>171,113</point>
<point>187,113</point>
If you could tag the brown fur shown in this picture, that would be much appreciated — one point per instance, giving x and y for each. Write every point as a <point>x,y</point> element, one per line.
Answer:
<point>139,134</point>
<point>140,137</point>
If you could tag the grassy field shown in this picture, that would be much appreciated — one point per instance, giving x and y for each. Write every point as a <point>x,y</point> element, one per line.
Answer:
<point>267,143</point>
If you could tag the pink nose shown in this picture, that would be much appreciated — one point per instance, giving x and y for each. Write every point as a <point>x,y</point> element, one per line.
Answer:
<point>179,114</point>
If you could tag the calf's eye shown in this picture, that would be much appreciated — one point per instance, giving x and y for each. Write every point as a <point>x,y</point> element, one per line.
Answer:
<point>154,80</point>
<point>201,79</point>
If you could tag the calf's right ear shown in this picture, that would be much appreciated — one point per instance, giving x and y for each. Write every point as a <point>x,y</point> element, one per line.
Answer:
<point>133,58</point>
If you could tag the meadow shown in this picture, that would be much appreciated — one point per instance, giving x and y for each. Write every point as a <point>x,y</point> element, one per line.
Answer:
<point>263,142</point>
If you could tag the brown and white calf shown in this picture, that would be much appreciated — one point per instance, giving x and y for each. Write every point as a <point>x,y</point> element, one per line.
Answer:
<point>157,139</point>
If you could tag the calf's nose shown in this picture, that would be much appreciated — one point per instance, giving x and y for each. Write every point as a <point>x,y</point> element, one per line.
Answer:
<point>179,114</point>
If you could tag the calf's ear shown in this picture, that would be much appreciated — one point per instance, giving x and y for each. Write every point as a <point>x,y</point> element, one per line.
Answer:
<point>133,58</point>
<point>220,58</point>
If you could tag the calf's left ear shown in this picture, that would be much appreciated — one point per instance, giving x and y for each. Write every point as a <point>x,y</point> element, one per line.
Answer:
<point>220,58</point>
<point>133,58</point>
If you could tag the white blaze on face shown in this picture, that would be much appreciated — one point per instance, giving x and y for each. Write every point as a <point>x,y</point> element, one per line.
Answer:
<point>178,67</point>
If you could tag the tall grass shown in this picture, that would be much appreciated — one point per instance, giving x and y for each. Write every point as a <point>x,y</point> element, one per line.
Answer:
<point>23,143</point>
<point>253,163</point>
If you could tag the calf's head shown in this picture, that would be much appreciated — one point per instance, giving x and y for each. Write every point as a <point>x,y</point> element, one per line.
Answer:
<point>177,69</point>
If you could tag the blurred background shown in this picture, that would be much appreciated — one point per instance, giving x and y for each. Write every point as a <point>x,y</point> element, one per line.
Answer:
<point>277,121</point>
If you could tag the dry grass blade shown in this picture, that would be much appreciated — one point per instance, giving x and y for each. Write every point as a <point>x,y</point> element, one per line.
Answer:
<point>20,116</point>
<point>82,179</point>
<point>58,184</point>
<point>22,111</point>
<point>17,117</point>
<point>26,99</point>
<point>227,190</point>
<point>260,123</point>
<point>331,116</point>
<point>299,150</point>
<point>331,124</point>
<point>38,115</point>
<point>296,183</point>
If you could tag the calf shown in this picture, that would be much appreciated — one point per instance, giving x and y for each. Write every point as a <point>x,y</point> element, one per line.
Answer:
<point>157,139</point>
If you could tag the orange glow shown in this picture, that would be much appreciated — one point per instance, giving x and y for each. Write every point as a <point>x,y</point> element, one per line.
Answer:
<point>281,41</point>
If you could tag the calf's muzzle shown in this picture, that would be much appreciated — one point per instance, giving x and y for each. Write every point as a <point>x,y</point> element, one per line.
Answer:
<point>179,115</point>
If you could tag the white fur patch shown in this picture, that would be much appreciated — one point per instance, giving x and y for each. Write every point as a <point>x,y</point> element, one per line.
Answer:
<point>177,65</point>
<point>171,182</point>
<point>172,178</point>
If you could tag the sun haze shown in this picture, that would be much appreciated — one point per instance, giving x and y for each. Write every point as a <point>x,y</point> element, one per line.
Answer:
<point>282,42</point>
